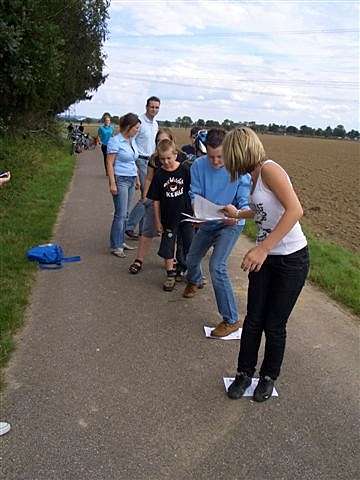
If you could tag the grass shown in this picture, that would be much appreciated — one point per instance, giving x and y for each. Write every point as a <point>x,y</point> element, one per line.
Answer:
<point>41,169</point>
<point>333,268</point>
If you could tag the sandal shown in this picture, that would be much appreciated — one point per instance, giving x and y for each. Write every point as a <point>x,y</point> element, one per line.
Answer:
<point>136,266</point>
<point>169,284</point>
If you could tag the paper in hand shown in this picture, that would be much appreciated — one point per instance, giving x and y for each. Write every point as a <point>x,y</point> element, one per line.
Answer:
<point>205,211</point>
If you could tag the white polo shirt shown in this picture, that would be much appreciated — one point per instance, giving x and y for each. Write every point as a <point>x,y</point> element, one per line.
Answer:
<point>145,139</point>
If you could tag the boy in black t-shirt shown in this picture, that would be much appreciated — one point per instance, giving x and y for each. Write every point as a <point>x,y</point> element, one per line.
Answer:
<point>169,191</point>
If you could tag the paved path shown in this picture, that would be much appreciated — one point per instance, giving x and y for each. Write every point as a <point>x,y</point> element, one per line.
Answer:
<point>113,378</point>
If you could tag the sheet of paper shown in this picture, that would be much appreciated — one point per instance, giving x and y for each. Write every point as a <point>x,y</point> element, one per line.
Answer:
<point>204,211</point>
<point>233,336</point>
<point>249,392</point>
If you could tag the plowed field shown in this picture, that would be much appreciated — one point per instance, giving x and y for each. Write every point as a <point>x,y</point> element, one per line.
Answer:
<point>325,175</point>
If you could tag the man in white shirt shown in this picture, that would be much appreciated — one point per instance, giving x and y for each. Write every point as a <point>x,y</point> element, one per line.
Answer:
<point>145,141</point>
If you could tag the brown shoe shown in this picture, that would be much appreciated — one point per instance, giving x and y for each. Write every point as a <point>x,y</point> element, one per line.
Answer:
<point>190,290</point>
<point>224,329</point>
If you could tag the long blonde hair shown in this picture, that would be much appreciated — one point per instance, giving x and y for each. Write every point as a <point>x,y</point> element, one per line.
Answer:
<point>242,151</point>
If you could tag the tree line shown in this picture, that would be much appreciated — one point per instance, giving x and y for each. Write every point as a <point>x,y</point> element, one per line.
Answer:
<point>51,57</point>
<point>337,132</point>
<point>272,128</point>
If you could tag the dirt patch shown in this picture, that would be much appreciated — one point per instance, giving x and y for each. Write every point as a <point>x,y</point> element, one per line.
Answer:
<point>325,175</point>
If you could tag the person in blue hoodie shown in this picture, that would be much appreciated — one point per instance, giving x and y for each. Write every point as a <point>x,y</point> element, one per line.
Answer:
<point>211,180</point>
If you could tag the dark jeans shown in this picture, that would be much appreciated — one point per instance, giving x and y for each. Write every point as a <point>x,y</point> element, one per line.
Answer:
<point>104,152</point>
<point>181,234</point>
<point>272,294</point>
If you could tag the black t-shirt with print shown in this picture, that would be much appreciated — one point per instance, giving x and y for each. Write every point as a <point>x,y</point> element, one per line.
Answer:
<point>154,161</point>
<point>171,189</point>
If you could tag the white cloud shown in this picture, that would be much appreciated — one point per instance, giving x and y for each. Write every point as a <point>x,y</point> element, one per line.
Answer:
<point>293,77</point>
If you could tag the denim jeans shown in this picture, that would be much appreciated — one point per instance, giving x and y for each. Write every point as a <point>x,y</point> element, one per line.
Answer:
<point>223,239</point>
<point>125,188</point>
<point>272,294</point>
<point>142,165</point>
<point>136,216</point>
<point>138,212</point>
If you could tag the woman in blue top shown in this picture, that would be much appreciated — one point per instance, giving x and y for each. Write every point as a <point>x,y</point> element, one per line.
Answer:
<point>122,171</point>
<point>105,132</point>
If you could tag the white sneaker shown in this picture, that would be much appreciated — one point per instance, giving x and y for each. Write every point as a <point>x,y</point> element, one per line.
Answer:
<point>127,247</point>
<point>4,428</point>
<point>118,252</point>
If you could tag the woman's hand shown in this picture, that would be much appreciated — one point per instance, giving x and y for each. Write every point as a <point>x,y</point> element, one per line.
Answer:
<point>230,211</point>
<point>137,184</point>
<point>113,189</point>
<point>254,259</point>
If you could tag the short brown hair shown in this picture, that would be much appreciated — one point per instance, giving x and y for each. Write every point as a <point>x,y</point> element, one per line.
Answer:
<point>242,151</point>
<point>215,137</point>
<point>128,121</point>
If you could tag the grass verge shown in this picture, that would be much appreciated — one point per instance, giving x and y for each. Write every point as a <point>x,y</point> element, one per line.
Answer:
<point>333,268</point>
<point>41,169</point>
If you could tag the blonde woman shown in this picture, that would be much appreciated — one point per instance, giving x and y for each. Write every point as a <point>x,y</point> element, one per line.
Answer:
<point>277,265</point>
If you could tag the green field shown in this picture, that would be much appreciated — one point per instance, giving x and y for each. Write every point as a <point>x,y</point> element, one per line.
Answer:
<point>41,169</point>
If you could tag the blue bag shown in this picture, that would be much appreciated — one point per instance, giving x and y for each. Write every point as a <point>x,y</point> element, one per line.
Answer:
<point>49,256</point>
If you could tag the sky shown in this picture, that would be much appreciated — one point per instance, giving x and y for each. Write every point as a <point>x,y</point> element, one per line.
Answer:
<point>287,62</point>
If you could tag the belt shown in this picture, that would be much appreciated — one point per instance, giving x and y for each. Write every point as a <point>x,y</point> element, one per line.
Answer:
<point>143,157</point>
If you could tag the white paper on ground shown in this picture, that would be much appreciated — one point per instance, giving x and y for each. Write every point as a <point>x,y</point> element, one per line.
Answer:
<point>205,211</point>
<point>249,392</point>
<point>233,336</point>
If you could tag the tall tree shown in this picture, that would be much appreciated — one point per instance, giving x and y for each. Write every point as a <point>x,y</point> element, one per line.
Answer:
<point>51,56</point>
<point>339,131</point>
<point>186,122</point>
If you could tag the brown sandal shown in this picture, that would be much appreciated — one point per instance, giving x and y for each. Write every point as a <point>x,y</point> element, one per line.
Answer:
<point>136,266</point>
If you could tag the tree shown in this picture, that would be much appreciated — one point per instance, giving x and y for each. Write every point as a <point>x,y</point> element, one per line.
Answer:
<point>212,123</point>
<point>305,130</point>
<point>319,132</point>
<point>328,131</point>
<point>339,131</point>
<point>273,128</point>
<point>51,56</point>
<point>200,123</point>
<point>353,134</point>
<point>227,124</point>
<point>291,130</point>
<point>186,122</point>
<point>178,122</point>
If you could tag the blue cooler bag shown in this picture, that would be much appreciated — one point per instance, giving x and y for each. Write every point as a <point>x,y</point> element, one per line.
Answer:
<point>49,256</point>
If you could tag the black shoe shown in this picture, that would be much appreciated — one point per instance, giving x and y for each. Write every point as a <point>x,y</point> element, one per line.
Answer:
<point>239,385</point>
<point>131,234</point>
<point>264,389</point>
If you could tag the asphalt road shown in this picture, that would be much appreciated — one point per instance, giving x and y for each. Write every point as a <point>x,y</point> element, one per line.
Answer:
<point>114,379</point>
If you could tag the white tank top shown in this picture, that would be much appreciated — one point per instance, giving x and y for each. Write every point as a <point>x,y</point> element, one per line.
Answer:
<point>268,211</point>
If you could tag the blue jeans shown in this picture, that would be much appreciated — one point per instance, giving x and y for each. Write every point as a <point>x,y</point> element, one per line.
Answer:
<point>223,240</point>
<point>138,212</point>
<point>142,165</point>
<point>125,188</point>
<point>136,216</point>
